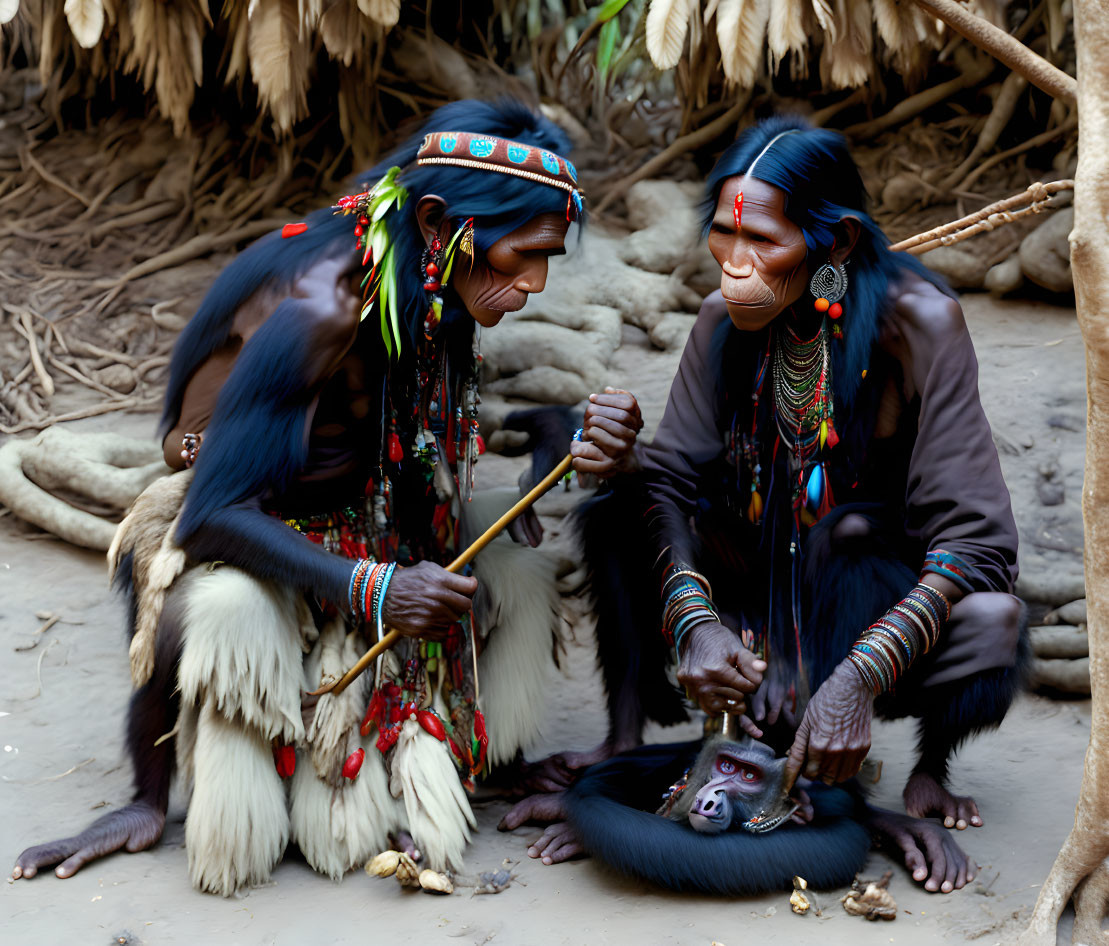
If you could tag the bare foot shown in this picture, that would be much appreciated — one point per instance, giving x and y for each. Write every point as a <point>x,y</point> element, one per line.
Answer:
<point>924,795</point>
<point>930,853</point>
<point>403,841</point>
<point>559,843</point>
<point>544,809</point>
<point>134,828</point>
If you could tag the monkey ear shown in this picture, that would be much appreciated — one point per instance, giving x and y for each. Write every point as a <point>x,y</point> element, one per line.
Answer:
<point>847,233</point>
<point>430,216</point>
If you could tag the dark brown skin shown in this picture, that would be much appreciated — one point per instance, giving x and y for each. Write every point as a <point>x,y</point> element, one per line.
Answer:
<point>425,599</point>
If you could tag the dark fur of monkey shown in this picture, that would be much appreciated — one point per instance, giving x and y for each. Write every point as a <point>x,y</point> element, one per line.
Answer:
<point>612,807</point>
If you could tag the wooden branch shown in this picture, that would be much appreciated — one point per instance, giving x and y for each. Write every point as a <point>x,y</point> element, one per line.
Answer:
<point>1005,48</point>
<point>676,149</point>
<point>1032,200</point>
<point>1041,139</point>
<point>915,104</point>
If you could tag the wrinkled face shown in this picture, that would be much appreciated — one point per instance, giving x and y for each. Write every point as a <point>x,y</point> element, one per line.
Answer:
<point>743,788</point>
<point>761,252</point>
<point>502,277</point>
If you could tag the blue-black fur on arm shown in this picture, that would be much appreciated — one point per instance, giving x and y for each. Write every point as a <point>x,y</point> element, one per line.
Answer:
<point>270,261</point>
<point>606,805</point>
<point>256,442</point>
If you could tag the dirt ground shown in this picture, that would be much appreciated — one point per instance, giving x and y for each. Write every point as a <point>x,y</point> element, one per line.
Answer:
<point>61,756</point>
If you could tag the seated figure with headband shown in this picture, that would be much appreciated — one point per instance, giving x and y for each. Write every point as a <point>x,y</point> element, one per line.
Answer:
<point>322,416</point>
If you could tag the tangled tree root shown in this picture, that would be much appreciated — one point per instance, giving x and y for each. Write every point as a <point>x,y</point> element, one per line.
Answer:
<point>102,471</point>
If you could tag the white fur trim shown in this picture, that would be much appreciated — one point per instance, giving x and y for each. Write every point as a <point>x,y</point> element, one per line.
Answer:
<point>339,829</point>
<point>243,649</point>
<point>238,825</point>
<point>519,618</point>
<point>438,811</point>
<point>336,717</point>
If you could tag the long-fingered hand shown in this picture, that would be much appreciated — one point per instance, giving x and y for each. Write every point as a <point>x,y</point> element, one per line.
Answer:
<point>717,671</point>
<point>834,737</point>
<point>612,423</point>
<point>426,599</point>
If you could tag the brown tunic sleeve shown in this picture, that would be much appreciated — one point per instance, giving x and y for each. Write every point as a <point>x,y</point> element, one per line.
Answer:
<point>690,437</point>
<point>955,497</point>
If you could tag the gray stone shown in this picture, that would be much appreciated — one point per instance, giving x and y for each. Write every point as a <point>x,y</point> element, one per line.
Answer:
<point>672,330</point>
<point>961,268</point>
<point>1045,252</point>
<point>1051,493</point>
<point>117,377</point>
<point>901,192</point>
<point>1073,612</point>
<point>544,384</point>
<point>1005,277</point>
<point>665,220</point>
<point>1070,422</point>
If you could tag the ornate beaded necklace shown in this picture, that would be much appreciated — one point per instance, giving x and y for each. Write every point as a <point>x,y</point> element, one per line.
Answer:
<point>802,390</point>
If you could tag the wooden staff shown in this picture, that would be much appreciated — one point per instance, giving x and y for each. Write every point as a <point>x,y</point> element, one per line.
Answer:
<point>457,565</point>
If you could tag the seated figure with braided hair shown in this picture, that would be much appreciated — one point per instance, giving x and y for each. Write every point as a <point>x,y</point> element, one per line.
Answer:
<point>324,399</point>
<point>822,507</point>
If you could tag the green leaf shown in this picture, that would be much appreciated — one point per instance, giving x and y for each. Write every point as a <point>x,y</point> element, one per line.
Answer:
<point>606,43</point>
<point>390,277</point>
<point>609,9</point>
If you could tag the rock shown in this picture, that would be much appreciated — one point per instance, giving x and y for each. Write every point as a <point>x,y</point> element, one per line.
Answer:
<point>961,268</point>
<point>1045,252</point>
<point>1073,612</point>
<point>500,440</point>
<point>1067,676</point>
<point>117,377</point>
<point>544,384</point>
<point>1060,642</point>
<point>672,330</point>
<point>1006,276</point>
<point>1047,584</point>
<point>1071,422</point>
<point>1051,493</point>
<point>522,346</point>
<point>901,192</point>
<point>664,216</point>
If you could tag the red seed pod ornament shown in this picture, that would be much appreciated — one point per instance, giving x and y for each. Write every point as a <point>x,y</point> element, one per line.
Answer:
<point>432,724</point>
<point>396,451</point>
<point>835,310</point>
<point>354,763</point>
<point>285,760</point>
<point>292,230</point>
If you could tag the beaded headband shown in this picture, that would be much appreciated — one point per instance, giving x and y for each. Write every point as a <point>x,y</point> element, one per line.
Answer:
<point>488,153</point>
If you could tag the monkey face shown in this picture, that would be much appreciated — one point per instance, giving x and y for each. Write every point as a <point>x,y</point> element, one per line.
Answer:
<point>501,279</point>
<point>761,252</point>
<point>738,783</point>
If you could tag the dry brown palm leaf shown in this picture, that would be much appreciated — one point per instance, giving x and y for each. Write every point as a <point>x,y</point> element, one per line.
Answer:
<point>86,20</point>
<point>347,32</point>
<point>234,51</point>
<point>740,28</point>
<point>382,12</point>
<point>166,53</point>
<point>667,25</point>
<point>785,32</point>
<point>279,61</point>
<point>846,62</point>
<point>900,23</point>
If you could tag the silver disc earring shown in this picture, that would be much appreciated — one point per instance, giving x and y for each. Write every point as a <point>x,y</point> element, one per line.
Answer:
<point>829,283</point>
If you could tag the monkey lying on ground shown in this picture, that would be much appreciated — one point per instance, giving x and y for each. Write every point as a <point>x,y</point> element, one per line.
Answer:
<point>725,826</point>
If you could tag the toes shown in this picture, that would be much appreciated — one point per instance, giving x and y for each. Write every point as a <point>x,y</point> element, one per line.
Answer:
<point>71,865</point>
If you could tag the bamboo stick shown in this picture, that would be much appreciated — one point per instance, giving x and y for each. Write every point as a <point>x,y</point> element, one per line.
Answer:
<point>456,566</point>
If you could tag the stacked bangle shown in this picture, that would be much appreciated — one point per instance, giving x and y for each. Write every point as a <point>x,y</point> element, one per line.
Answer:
<point>687,602</point>
<point>910,628</point>
<point>368,583</point>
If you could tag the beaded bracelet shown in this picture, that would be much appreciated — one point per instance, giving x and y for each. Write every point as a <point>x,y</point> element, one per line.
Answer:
<point>886,649</point>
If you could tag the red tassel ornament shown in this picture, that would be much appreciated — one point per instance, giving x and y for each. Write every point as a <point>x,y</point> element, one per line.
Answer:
<point>285,760</point>
<point>396,451</point>
<point>432,724</point>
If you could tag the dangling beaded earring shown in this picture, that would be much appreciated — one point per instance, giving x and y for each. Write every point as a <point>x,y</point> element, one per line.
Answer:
<point>431,262</point>
<point>829,285</point>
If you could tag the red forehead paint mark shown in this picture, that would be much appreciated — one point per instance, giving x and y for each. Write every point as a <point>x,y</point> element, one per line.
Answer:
<point>292,229</point>
<point>737,210</point>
